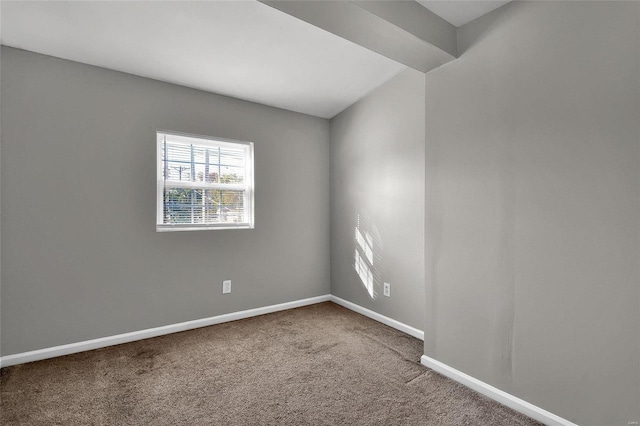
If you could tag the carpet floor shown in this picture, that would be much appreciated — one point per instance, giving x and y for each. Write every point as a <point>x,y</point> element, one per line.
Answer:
<point>317,365</point>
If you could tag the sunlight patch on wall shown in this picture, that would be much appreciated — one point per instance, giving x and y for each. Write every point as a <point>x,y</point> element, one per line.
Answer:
<point>367,254</point>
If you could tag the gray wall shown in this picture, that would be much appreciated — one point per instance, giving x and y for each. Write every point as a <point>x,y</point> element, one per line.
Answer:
<point>532,194</point>
<point>80,255</point>
<point>377,174</point>
<point>0,208</point>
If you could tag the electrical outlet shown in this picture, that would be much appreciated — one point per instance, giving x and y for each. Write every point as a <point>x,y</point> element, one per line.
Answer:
<point>226,286</point>
<point>387,289</point>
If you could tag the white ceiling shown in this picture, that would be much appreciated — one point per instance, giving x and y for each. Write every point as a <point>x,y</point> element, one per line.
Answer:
<point>460,12</point>
<point>242,49</point>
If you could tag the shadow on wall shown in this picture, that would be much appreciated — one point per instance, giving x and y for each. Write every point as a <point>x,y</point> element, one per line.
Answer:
<point>368,254</point>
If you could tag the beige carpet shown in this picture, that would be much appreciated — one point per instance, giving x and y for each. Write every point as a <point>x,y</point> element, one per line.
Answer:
<point>317,365</point>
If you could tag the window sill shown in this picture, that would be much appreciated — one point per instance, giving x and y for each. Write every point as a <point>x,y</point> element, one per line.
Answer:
<point>208,227</point>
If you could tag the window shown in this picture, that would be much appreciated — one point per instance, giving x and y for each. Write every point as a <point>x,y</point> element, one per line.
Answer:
<point>203,183</point>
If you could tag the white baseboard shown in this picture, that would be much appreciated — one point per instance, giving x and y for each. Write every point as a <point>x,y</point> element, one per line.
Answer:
<point>496,394</point>
<point>412,331</point>
<point>102,342</point>
<point>485,389</point>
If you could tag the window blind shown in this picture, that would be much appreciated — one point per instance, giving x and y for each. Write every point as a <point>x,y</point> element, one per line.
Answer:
<point>203,183</point>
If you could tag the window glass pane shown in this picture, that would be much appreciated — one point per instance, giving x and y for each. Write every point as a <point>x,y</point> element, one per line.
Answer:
<point>193,163</point>
<point>203,206</point>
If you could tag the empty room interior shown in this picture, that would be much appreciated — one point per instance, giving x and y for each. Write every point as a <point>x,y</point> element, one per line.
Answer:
<point>320,212</point>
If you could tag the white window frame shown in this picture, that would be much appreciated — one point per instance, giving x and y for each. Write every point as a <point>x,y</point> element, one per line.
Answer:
<point>247,187</point>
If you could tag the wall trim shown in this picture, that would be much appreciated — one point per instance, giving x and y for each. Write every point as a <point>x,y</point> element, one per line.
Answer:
<point>103,342</point>
<point>496,394</point>
<point>479,386</point>
<point>117,339</point>
<point>412,331</point>
<point>485,389</point>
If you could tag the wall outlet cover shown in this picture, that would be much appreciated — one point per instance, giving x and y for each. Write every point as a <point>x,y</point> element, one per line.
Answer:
<point>226,286</point>
<point>386,289</point>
